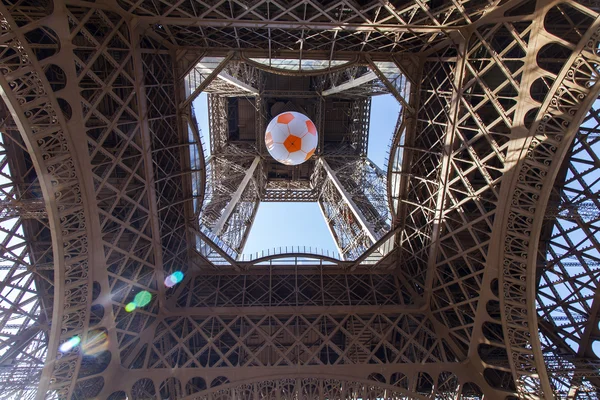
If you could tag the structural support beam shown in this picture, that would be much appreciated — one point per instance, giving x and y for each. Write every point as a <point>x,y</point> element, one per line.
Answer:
<point>17,344</point>
<point>367,227</point>
<point>206,81</point>
<point>332,232</point>
<point>308,25</point>
<point>218,228</point>
<point>390,86</point>
<point>236,82</point>
<point>146,141</point>
<point>445,167</point>
<point>368,77</point>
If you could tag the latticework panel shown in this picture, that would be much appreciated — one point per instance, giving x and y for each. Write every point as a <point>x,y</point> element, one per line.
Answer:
<point>483,105</point>
<point>229,208</point>
<point>556,123</point>
<point>420,165</point>
<point>26,271</point>
<point>350,237</point>
<point>568,289</point>
<point>492,234</point>
<point>170,149</point>
<point>309,26</point>
<point>28,95</point>
<point>299,290</point>
<point>120,162</point>
<point>394,386</point>
<point>568,283</point>
<point>274,339</point>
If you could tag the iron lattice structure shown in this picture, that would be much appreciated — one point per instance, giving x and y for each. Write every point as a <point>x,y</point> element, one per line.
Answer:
<point>467,269</point>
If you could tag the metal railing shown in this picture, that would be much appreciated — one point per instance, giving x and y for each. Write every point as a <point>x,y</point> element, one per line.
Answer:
<point>292,251</point>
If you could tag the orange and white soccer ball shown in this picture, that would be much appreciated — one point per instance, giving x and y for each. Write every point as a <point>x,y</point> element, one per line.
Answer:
<point>291,138</point>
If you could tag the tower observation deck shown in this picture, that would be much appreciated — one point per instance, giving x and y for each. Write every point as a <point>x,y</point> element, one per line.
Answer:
<point>467,268</point>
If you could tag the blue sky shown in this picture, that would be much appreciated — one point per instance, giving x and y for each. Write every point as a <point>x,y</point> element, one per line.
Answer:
<point>271,228</point>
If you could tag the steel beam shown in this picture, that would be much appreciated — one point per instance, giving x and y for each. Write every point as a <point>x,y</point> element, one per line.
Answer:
<point>298,25</point>
<point>446,159</point>
<point>218,228</point>
<point>390,87</point>
<point>17,344</point>
<point>146,141</point>
<point>367,227</point>
<point>236,82</point>
<point>368,77</point>
<point>185,104</point>
<point>336,240</point>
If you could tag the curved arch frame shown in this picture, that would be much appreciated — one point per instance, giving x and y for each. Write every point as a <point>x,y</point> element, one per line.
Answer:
<point>405,394</point>
<point>534,222</point>
<point>44,131</point>
<point>311,256</point>
<point>524,214</point>
<point>281,71</point>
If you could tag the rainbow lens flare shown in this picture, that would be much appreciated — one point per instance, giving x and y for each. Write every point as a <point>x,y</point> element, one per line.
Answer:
<point>173,279</point>
<point>142,298</point>
<point>96,342</point>
<point>70,344</point>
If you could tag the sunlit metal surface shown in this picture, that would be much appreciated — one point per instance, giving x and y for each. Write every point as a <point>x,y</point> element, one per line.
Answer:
<point>467,268</point>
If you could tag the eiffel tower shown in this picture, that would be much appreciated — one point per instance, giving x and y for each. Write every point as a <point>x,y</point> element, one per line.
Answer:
<point>467,268</point>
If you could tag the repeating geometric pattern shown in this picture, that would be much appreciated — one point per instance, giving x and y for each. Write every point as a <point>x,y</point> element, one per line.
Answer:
<point>218,341</point>
<point>486,90</point>
<point>294,290</point>
<point>556,124</point>
<point>106,76</point>
<point>483,278</point>
<point>308,25</point>
<point>568,285</point>
<point>26,270</point>
<point>28,91</point>
<point>374,386</point>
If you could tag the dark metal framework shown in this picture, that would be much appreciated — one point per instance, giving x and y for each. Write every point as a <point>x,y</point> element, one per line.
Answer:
<point>482,281</point>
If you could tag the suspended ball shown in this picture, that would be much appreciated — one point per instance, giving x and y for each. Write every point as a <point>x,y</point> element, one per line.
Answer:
<point>291,138</point>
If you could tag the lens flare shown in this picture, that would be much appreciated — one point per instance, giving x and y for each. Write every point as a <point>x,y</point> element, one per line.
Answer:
<point>142,298</point>
<point>96,342</point>
<point>177,276</point>
<point>173,279</point>
<point>70,344</point>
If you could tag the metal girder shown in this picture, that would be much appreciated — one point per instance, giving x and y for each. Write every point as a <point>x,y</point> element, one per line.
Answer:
<point>208,75</point>
<point>356,216</point>
<point>236,82</point>
<point>236,197</point>
<point>94,93</point>
<point>309,25</point>
<point>446,158</point>
<point>231,199</point>
<point>26,288</point>
<point>374,28</point>
<point>393,78</point>
<point>568,294</point>
<point>368,228</point>
<point>278,287</point>
<point>329,338</point>
<point>10,349</point>
<point>368,77</point>
<point>25,208</point>
<point>147,155</point>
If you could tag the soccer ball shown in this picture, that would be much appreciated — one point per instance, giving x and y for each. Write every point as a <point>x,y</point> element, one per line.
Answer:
<point>291,138</point>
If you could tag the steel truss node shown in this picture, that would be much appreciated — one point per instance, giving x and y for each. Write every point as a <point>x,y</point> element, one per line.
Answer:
<point>468,269</point>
